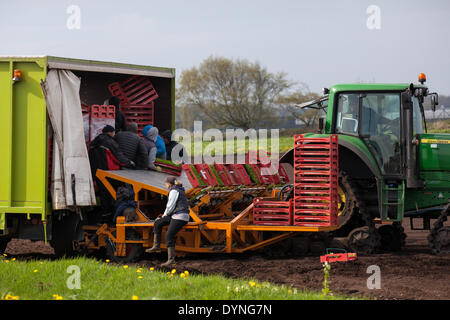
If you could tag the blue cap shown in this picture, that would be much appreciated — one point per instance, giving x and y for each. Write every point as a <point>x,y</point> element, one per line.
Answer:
<point>146,130</point>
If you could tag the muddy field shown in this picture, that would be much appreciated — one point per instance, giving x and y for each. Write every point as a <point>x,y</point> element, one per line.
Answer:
<point>410,274</point>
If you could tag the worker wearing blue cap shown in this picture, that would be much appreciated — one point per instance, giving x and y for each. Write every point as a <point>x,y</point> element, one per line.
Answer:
<point>160,145</point>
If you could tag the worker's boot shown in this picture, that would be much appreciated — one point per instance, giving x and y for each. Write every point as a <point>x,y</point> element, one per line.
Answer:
<point>156,244</point>
<point>171,257</point>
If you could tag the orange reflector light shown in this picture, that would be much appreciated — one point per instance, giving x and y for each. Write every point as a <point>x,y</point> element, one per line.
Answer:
<point>17,75</point>
<point>422,78</point>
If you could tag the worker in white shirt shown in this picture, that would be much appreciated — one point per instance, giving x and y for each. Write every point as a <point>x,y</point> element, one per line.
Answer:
<point>176,216</point>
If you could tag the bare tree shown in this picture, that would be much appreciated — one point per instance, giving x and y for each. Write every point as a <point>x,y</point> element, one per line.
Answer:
<point>290,101</point>
<point>233,93</point>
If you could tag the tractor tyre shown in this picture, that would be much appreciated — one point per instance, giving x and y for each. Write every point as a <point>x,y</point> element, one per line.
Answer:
<point>392,238</point>
<point>133,250</point>
<point>361,241</point>
<point>347,201</point>
<point>442,240</point>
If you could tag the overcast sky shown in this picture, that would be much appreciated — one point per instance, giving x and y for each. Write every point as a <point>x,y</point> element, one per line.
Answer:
<point>320,43</point>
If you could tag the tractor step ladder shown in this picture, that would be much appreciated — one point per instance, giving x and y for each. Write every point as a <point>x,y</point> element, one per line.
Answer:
<point>316,175</point>
<point>392,201</point>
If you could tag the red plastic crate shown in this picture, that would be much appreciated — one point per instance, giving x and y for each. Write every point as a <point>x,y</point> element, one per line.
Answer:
<point>223,173</point>
<point>99,117</point>
<point>141,114</point>
<point>206,174</point>
<point>338,256</point>
<point>239,175</point>
<point>191,176</point>
<point>316,176</point>
<point>272,213</point>
<point>134,90</point>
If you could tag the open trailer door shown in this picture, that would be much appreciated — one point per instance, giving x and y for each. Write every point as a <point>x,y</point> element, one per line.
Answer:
<point>72,183</point>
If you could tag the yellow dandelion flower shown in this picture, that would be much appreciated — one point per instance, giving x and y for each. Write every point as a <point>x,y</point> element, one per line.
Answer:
<point>58,297</point>
<point>138,271</point>
<point>35,270</point>
<point>7,261</point>
<point>173,270</point>
<point>140,277</point>
<point>11,297</point>
<point>186,272</point>
<point>290,291</point>
<point>252,284</point>
<point>5,254</point>
<point>134,298</point>
<point>13,259</point>
<point>182,275</point>
<point>151,269</point>
<point>107,261</point>
<point>168,272</point>
<point>125,266</point>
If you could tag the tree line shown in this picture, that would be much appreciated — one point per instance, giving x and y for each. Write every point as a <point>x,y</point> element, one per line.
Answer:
<point>226,93</point>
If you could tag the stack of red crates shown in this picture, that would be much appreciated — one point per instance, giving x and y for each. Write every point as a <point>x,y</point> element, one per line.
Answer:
<point>137,96</point>
<point>316,177</point>
<point>272,213</point>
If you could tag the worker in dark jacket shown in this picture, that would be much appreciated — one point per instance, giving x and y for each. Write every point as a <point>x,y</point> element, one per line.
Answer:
<point>176,216</point>
<point>180,152</point>
<point>105,141</point>
<point>121,122</point>
<point>99,149</point>
<point>133,146</point>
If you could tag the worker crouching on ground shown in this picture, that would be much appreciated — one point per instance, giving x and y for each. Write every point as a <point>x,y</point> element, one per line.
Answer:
<point>176,216</point>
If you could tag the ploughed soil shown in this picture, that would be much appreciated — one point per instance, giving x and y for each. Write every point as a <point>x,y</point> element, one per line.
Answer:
<point>413,273</point>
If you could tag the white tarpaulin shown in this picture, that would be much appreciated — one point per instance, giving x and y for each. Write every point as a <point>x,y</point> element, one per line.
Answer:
<point>62,93</point>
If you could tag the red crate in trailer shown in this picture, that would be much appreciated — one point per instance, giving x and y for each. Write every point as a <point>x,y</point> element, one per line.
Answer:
<point>141,114</point>
<point>100,116</point>
<point>134,90</point>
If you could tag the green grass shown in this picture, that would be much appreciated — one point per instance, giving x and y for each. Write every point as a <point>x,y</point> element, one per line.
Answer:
<point>47,280</point>
<point>218,148</point>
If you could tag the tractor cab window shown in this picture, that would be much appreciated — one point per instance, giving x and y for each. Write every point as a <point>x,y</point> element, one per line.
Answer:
<point>417,117</point>
<point>380,128</point>
<point>347,114</point>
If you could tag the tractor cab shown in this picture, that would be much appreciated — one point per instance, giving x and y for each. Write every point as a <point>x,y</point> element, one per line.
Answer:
<point>384,145</point>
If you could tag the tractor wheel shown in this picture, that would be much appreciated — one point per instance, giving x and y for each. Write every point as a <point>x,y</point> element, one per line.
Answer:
<point>346,203</point>
<point>361,242</point>
<point>442,240</point>
<point>392,238</point>
<point>133,250</point>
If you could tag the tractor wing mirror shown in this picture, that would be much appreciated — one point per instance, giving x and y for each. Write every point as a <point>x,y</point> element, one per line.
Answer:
<point>434,101</point>
<point>321,124</point>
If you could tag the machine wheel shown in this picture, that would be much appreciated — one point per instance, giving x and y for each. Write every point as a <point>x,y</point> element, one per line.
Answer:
<point>392,237</point>
<point>442,240</point>
<point>348,219</point>
<point>361,241</point>
<point>439,236</point>
<point>4,243</point>
<point>63,234</point>
<point>300,246</point>
<point>133,251</point>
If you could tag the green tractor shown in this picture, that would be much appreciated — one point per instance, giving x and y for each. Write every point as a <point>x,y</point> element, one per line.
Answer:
<point>390,167</point>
